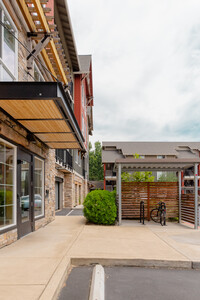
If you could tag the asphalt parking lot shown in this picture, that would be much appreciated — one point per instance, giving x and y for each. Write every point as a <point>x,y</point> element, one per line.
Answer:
<point>133,283</point>
<point>152,284</point>
<point>77,286</point>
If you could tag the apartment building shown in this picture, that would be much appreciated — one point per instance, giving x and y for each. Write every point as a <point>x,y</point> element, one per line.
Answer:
<point>41,140</point>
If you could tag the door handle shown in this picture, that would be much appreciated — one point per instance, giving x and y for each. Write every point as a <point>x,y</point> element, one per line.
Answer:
<point>18,199</point>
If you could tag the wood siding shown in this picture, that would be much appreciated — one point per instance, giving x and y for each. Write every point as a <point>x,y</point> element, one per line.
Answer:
<point>187,208</point>
<point>151,193</point>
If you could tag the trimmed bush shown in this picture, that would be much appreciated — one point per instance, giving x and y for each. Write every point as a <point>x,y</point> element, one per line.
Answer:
<point>100,207</point>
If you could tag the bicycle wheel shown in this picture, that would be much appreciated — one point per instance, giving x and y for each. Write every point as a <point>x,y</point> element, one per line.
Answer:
<point>155,215</point>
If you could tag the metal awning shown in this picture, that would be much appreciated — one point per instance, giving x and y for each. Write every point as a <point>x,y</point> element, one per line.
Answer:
<point>166,164</point>
<point>43,108</point>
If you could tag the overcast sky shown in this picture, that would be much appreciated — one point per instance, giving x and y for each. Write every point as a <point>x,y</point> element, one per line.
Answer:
<point>146,67</point>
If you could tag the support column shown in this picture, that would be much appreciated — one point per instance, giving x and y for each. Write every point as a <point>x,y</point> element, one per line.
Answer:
<point>117,184</point>
<point>199,175</point>
<point>182,182</point>
<point>104,172</point>
<point>179,194</point>
<point>196,196</point>
<point>119,195</point>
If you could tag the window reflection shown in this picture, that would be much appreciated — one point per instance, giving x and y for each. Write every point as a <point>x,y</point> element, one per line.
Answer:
<point>9,46</point>
<point>25,191</point>
<point>6,184</point>
<point>38,187</point>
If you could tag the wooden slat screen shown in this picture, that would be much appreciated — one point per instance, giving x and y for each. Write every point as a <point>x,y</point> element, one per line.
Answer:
<point>149,192</point>
<point>187,208</point>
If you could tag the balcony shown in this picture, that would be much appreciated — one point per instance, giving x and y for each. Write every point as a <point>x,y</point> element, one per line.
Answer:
<point>64,161</point>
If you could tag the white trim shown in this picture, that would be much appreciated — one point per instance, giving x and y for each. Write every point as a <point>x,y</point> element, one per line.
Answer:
<point>43,196</point>
<point>38,70</point>
<point>14,74</point>
<point>14,184</point>
<point>78,175</point>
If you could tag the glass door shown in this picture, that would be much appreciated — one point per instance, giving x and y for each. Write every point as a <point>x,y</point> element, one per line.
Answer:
<point>24,193</point>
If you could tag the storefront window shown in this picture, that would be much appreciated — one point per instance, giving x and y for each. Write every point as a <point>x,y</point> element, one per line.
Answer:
<point>7,185</point>
<point>39,187</point>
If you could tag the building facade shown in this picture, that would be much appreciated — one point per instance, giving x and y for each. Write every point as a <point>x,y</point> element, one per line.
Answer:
<point>40,137</point>
<point>111,151</point>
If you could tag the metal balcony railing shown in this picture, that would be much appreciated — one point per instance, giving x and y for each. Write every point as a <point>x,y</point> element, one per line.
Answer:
<point>64,158</point>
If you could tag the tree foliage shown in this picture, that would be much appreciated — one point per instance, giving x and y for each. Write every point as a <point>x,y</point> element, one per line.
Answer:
<point>95,162</point>
<point>168,177</point>
<point>137,176</point>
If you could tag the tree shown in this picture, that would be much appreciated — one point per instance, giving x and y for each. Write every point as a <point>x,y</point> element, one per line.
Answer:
<point>95,162</point>
<point>169,177</point>
<point>137,176</point>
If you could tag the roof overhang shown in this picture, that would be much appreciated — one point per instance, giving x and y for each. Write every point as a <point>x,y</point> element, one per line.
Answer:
<point>132,164</point>
<point>43,108</point>
<point>63,21</point>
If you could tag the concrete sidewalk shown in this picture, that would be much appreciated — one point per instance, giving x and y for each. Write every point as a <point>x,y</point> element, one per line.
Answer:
<point>33,267</point>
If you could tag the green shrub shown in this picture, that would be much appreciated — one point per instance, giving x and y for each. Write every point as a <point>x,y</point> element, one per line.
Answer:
<point>100,207</point>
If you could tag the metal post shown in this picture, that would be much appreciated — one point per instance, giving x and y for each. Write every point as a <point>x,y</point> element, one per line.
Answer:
<point>117,185</point>
<point>196,196</point>
<point>179,193</point>
<point>119,195</point>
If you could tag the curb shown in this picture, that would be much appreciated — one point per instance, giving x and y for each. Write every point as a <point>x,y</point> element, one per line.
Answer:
<point>97,290</point>
<point>54,285</point>
<point>151,263</point>
<point>196,265</point>
<point>98,287</point>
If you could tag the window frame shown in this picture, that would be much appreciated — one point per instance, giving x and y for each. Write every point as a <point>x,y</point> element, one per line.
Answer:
<point>43,188</point>
<point>13,75</point>
<point>161,156</point>
<point>14,224</point>
<point>39,72</point>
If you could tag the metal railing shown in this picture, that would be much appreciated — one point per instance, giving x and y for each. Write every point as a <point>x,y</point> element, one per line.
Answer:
<point>64,158</point>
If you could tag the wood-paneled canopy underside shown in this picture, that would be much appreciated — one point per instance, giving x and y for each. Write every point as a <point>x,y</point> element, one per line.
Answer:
<point>43,109</point>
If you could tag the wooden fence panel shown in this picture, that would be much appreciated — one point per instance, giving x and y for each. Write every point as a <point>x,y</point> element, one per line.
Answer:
<point>166,192</point>
<point>151,193</point>
<point>187,208</point>
<point>132,194</point>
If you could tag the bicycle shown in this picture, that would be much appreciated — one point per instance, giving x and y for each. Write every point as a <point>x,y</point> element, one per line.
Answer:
<point>158,214</point>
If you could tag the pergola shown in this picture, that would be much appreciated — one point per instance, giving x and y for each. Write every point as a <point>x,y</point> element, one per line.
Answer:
<point>166,164</point>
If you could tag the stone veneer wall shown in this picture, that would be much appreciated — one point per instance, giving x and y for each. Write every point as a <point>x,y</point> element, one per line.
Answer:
<point>72,184</point>
<point>8,238</point>
<point>68,190</point>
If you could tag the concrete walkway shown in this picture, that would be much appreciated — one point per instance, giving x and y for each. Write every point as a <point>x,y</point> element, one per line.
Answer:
<point>34,267</point>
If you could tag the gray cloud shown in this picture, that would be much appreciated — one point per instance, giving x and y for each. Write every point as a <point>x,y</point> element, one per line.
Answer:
<point>146,66</point>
